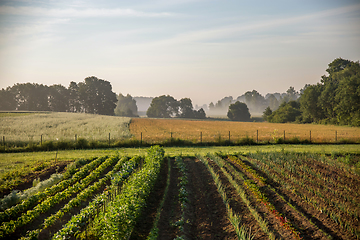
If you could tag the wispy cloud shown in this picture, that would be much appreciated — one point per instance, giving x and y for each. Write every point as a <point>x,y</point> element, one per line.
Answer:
<point>258,26</point>
<point>73,12</point>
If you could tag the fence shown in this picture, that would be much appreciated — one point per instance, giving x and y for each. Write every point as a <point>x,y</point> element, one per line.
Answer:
<point>200,137</point>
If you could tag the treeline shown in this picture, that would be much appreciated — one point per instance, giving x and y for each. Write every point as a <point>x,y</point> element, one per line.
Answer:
<point>93,95</point>
<point>166,106</point>
<point>335,100</point>
<point>255,102</point>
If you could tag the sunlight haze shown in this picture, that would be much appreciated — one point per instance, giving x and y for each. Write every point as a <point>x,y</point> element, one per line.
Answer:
<point>204,50</point>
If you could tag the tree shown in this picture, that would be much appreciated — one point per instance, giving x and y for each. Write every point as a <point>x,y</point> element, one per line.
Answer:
<point>309,104</point>
<point>163,107</point>
<point>287,112</point>
<point>238,111</point>
<point>272,102</point>
<point>31,96</point>
<point>126,106</point>
<point>200,114</point>
<point>347,96</point>
<point>74,99</point>
<point>267,113</point>
<point>186,108</point>
<point>96,96</point>
<point>58,98</point>
<point>7,100</point>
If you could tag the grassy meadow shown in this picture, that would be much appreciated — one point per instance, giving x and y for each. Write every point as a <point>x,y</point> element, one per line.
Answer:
<point>28,127</point>
<point>158,130</point>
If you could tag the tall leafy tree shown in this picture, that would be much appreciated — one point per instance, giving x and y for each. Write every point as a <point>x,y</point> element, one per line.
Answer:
<point>238,111</point>
<point>310,106</point>
<point>164,106</point>
<point>287,112</point>
<point>126,106</point>
<point>58,98</point>
<point>74,104</point>
<point>7,100</point>
<point>96,96</point>
<point>31,96</point>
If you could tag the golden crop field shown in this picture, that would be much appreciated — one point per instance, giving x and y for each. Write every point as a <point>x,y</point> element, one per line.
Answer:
<point>156,130</point>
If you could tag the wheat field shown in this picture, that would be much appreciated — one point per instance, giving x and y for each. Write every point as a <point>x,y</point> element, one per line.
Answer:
<point>156,130</point>
<point>62,126</point>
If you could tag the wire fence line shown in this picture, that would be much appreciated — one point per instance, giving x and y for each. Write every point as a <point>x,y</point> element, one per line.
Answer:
<point>258,136</point>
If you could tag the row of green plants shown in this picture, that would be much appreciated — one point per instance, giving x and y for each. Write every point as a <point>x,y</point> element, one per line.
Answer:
<point>255,175</point>
<point>82,143</point>
<point>241,231</point>
<point>262,197</point>
<point>74,172</point>
<point>80,198</point>
<point>10,227</point>
<point>118,221</point>
<point>154,232</point>
<point>183,195</point>
<point>226,170</point>
<point>75,226</point>
<point>324,201</point>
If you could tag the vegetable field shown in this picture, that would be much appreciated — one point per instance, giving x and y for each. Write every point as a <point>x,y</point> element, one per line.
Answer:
<point>257,195</point>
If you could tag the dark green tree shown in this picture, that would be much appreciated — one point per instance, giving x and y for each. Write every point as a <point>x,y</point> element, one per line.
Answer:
<point>287,112</point>
<point>31,96</point>
<point>267,113</point>
<point>309,104</point>
<point>126,106</point>
<point>96,96</point>
<point>7,100</point>
<point>163,107</point>
<point>347,96</point>
<point>238,111</point>
<point>200,114</point>
<point>186,108</point>
<point>74,104</point>
<point>58,98</point>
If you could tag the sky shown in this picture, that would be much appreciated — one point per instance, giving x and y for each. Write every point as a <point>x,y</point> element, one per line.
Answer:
<point>201,49</point>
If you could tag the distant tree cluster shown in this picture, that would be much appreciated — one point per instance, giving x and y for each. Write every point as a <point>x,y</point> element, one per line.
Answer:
<point>126,106</point>
<point>166,106</point>
<point>335,100</point>
<point>91,96</point>
<point>255,102</point>
<point>238,111</point>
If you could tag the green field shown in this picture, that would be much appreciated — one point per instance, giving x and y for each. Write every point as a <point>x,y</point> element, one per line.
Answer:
<point>50,126</point>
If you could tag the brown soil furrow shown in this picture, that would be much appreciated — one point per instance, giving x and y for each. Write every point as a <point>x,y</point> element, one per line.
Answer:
<point>321,220</point>
<point>171,209</point>
<point>238,206</point>
<point>210,219</point>
<point>302,224</point>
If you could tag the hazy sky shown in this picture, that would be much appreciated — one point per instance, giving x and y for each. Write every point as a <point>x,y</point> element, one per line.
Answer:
<point>204,50</point>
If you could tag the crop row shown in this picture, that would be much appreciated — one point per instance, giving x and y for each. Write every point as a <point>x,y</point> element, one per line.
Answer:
<point>121,171</point>
<point>45,205</point>
<point>299,177</point>
<point>122,213</point>
<point>73,172</point>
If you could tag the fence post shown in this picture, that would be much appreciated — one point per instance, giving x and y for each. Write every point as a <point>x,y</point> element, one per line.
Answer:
<point>141,138</point>
<point>335,136</point>
<point>257,136</point>
<point>200,137</point>
<point>284,135</point>
<point>75,137</point>
<point>229,136</point>
<point>4,141</point>
<point>170,136</point>
<point>310,135</point>
<point>41,140</point>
